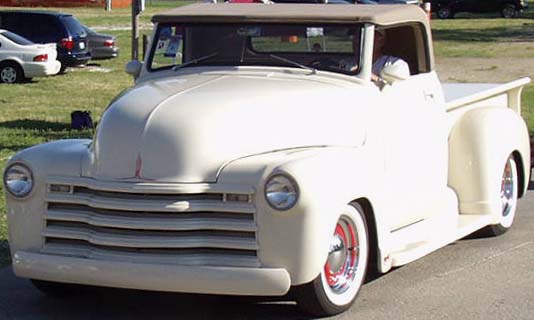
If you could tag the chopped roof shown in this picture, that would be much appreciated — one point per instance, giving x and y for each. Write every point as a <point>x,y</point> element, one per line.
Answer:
<point>294,13</point>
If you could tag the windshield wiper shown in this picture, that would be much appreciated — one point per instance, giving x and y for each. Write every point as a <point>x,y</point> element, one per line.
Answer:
<point>312,70</point>
<point>195,61</point>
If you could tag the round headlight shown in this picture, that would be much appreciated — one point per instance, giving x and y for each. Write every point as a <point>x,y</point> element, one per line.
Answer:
<point>18,180</point>
<point>281,192</point>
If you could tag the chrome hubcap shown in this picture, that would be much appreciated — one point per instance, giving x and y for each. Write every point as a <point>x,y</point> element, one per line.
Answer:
<point>8,75</point>
<point>341,266</point>
<point>507,189</point>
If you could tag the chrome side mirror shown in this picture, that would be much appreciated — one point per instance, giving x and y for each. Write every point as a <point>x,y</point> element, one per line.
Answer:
<point>133,68</point>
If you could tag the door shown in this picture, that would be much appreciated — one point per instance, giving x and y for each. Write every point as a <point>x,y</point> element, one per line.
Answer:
<point>416,148</point>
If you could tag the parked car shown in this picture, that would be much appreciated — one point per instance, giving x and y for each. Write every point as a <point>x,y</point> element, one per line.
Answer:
<point>445,9</point>
<point>101,46</point>
<point>389,1</point>
<point>245,162</point>
<point>46,27</point>
<point>22,59</point>
<point>352,1</point>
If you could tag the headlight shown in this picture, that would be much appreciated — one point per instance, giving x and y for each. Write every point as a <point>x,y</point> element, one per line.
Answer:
<point>281,192</point>
<point>18,180</point>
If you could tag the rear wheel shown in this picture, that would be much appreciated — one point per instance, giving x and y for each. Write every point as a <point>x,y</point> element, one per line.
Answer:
<point>445,13</point>
<point>336,288</point>
<point>11,72</point>
<point>62,69</point>
<point>508,196</point>
<point>508,11</point>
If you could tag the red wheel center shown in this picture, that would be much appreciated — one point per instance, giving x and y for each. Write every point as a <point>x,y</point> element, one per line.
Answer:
<point>344,271</point>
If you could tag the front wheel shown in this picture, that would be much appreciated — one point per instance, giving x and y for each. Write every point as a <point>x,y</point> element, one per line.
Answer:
<point>508,197</point>
<point>336,288</point>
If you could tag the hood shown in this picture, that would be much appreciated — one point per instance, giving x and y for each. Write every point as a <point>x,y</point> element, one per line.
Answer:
<point>185,129</point>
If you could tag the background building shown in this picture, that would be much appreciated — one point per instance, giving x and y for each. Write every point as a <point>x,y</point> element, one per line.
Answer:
<point>64,3</point>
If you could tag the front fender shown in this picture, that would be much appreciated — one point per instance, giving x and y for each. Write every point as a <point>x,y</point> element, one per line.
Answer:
<point>25,216</point>
<point>479,145</point>
<point>328,179</point>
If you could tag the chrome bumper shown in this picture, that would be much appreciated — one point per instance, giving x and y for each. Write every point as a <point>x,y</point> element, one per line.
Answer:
<point>157,277</point>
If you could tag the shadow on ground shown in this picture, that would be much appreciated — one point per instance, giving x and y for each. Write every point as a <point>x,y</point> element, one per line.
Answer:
<point>81,302</point>
<point>524,33</point>
<point>5,256</point>
<point>132,304</point>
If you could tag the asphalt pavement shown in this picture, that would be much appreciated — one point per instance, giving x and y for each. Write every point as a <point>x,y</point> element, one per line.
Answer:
<point>474,278</point>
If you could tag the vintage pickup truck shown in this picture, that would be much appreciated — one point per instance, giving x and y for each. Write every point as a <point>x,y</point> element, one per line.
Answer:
<point>247,161</point>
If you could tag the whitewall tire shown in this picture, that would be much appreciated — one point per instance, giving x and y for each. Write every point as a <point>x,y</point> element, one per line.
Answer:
<point>509,190</point>
<point>343,274</point>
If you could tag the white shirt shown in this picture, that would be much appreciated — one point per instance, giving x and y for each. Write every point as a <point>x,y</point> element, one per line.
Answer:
<point>401,67</point>
<point>383,61</point>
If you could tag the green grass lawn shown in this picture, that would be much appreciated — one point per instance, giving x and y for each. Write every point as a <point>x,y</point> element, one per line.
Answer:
<point>39,111</point>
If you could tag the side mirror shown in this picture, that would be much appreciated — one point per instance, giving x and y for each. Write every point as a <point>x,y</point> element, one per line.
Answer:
<point>133,68</point>
<point>395,72</point>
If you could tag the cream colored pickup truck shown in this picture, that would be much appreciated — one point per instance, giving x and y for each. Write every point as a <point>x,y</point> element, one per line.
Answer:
<point>248,159</point>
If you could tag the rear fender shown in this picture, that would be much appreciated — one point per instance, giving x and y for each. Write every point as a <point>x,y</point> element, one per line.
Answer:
<point>480,143</point>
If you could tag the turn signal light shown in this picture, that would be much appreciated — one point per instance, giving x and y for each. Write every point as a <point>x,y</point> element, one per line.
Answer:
<point>236,197</point>
<point>41,58</point>
<point>109,43</point>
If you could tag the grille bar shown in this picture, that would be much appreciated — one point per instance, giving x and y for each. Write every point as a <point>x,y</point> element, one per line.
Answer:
<point>100,202</point>
<point>176,222</point>
<point>101,237</point>
<point>185,257</point>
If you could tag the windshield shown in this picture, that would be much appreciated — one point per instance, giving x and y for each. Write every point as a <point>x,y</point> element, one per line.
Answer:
<point>16,38</point>
<point>325,47</point>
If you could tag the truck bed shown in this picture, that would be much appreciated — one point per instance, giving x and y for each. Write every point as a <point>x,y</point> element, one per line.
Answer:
<point>458,95</point>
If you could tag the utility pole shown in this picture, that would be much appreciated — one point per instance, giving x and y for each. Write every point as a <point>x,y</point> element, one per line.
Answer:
<point>138,6</point>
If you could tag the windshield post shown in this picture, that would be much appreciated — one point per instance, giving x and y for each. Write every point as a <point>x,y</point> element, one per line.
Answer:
<point>366,58</point>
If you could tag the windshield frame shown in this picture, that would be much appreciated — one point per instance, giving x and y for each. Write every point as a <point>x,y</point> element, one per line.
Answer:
<point>205,62</point>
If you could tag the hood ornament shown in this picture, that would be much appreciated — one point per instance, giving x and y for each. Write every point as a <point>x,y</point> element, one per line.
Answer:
<point>138,166</point>
<point>138,169</point>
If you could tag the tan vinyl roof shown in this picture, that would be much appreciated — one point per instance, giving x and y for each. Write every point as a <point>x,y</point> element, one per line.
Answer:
<point>294,13</point>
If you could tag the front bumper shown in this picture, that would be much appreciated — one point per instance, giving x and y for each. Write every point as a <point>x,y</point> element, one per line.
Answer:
<point>157,277</point>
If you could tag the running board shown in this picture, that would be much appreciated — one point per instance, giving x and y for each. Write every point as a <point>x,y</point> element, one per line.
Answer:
<point>437,237</point>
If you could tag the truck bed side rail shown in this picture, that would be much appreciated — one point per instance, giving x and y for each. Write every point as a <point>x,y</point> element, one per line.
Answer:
<point>463,94</point>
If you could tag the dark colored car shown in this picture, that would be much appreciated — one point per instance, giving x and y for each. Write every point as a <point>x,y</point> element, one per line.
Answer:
<point>445,9</point>
<point>101,46</point>
<point>50,27</point>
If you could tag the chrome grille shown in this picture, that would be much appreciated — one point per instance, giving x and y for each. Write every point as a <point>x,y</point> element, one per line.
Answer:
<point>150,227</point>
